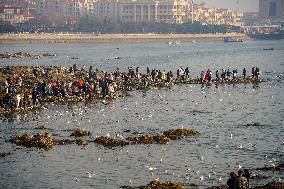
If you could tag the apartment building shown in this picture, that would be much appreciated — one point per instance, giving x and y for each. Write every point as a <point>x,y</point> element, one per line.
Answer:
<point>74,10</point>
<point>16,11</point>
<point>232,17</point>
<point>12,15</point>
<point>49,7</point>
<point>167,11</point>
<point>107,10</point>
<point>211,15</point>
<point>137,11</point>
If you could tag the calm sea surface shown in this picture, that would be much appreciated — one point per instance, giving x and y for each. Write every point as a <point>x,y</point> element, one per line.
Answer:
<point>220,113</point>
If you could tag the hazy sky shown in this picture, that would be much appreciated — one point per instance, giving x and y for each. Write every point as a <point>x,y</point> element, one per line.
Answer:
<point>244,5</point>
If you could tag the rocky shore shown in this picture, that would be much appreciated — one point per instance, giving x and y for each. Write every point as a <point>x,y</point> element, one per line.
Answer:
<point>24,88</point>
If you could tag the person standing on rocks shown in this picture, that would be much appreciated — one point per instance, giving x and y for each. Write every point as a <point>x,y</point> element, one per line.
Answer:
<point>148,71</point>
<point>253,72</point>
<point>241,181</point>
<point>247,176</point>
<point>217,75</point>
<point>244,72</point>
<point>231,181</point>
<point>186,72</point>
<point>257,72</point>
<point>137,71</point>
<point>202,76</point>
<point>164,75</point>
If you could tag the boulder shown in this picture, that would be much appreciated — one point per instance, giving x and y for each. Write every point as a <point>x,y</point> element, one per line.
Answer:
<point>45,141</point>
<point>80,133</point>
<point>143,139</point>
<point>4,154</point>
<point>110,142</point>
<point>180,133</point>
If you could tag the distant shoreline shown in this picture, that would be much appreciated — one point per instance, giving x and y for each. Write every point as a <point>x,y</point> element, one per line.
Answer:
<point>77,38</point>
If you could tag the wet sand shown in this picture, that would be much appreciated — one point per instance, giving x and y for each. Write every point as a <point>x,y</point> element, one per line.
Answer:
<point>75,38</point>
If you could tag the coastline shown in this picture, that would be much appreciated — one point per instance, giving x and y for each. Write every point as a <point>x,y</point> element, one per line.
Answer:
<point>78,38</point>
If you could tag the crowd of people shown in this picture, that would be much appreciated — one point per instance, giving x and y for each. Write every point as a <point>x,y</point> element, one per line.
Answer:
<point>20,91</point>
<point>240,181</point>
<point>227,75</point>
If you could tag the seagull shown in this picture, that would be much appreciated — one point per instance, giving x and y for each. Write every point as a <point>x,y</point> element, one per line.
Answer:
<point>201,178</point>
<point>231,136</point>
<point>273,165</point>
<point>240,146</point>
<point>151,168</point>
<point>120,136</point>
<point>240,166</point>
<point>90,175</point>
<point>76,180</point>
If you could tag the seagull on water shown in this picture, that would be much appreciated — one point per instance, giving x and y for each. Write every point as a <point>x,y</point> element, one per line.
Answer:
<point>90,175</point>
<point>76,180</point>
<point>151,168</point>
<point>240,146</point>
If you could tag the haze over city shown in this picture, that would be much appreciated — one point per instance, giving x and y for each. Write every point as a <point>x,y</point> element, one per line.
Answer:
<point>244,5</point>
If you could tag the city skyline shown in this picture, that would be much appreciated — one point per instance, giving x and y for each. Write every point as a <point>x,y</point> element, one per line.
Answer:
<point>244,5</point>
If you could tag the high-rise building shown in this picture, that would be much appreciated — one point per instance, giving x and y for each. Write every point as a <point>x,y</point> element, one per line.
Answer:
<point>271,8</point>
<point>280,8</point>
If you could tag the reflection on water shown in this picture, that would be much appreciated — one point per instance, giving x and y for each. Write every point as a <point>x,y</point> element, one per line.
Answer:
<point>224,114</point>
